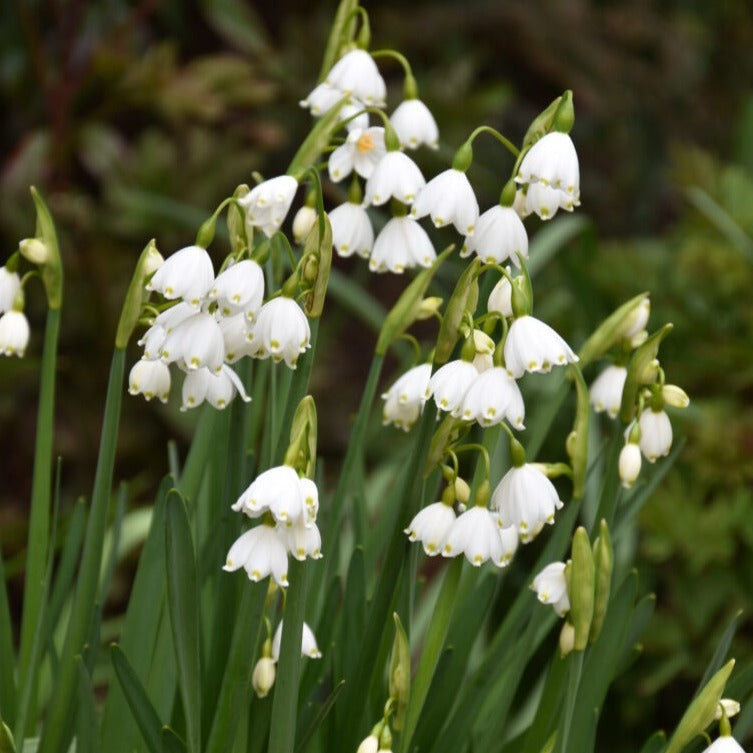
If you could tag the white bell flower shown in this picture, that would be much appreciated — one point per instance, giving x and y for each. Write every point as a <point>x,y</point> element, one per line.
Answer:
<point>166,322</point>
<point>218,389</point>
<point>195,343</point>
<point>14,333</point>
<point>361,152</point>
<point>449,384</point>
<point>268,204</point>
<point>550,586</point>
<point>534,346</point>
<point>493,396</point>
<point>483,362</point>
<point>525,498</point>
<point>552,163</point>
<point>545,201</point>
<point>369,744</point>
<point>656,434</point>
<point>401,244</point>
<point>308,643</point>
<point>727,707</point>
<point>500,299</point>
<point>281,332</point>
<point>395,176</point>
<point>606,390</point>
<point>448,198</point>
<point>629,464</point>
<point>150,378</point>
<point>321,99</point>
<point>356,73</point>
<point>351,230</point>
<point>431,526</point>
<point>724,744</point>
<point>405,400</point>
<point>239,289</point>
<point>475,533</point>
<point>303,539</point>
<point>277,490</point>
<point>499,235</point>
<point>261,551</point>
<point>415,125</point>
<point>186,274</point>
<point>235,331</point>
<point>353,113</point>
<point>10,284</point>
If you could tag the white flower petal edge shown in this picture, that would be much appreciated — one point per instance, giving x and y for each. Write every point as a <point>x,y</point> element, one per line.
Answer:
<point>499,235</point>
<point>492,397</point>
<point>281,331</point>
<point>150,379</point>
<point>449,384</point>
<point>475,533</point>
<point>606,390</point>
<point>261,552</point>
<point>268,204</point>
<point>404,401</point>
<point>186,274</point>
<point>14,333</point>
<point>656,434</point>
<point>396,176</point>
<point>402,244</point>
<point>351,230</point>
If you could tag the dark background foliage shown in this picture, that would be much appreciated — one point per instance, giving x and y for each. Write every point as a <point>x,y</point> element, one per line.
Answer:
<point>136,119</point>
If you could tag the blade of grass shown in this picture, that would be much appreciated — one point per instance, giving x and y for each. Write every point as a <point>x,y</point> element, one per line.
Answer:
<point>53,738</point>
<point>183,601</point>
<point>7,656</point>
<point>86,716</point>
<point>41,497</point>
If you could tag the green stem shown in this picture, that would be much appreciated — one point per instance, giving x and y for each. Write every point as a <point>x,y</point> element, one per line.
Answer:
<point>85,596</point>
<point>41,488</point>
<point>497,135</point>
<point>285,701</point>
<point>433,644</point>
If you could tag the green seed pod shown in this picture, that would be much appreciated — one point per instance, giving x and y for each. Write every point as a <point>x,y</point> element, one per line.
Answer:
<point>581,588</point>
<point>603,563</point>
<point>317,260</point>
<point>301,452</point>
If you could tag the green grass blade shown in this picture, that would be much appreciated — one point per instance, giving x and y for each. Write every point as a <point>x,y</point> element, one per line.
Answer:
<point>141,629</point>
<point>54,736</point>
<point>41,496</point>
<point>183,601</point>
<point>321,715</point>
<point>547,711</point>
<point>7,655</point>
<point>171,743</point>
<point>234,691</point>
<point>86,715</point>
<point>655,743</point>
<point>141,707</point>
<point>284,704</point>
<point>720,654</point>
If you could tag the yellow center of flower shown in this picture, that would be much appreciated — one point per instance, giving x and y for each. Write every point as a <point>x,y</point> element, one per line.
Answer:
<point>365,143</point>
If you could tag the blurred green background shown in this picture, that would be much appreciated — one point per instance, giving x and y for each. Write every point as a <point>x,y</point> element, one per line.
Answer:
<point>136,119</point>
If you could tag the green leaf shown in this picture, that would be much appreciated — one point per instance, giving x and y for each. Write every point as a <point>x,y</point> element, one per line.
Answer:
<point>235,689</point>
<point>7,657</point>
<point>321,715</point>
<point>86,716</point>
<point>183,601</point>
<point>578,442</point>
<point>720,654</point>
<point>547,711</point>
<point>655,743</point>
<point>399,674</point>
<point>700,713</point>
<point>171,743</point>
<point>552,238</point>
<point>7,745</point>
<point>143,712</point>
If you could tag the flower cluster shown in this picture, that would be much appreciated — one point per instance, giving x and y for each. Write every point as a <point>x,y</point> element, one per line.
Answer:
<point>214,322</point>
<point>287,505</point>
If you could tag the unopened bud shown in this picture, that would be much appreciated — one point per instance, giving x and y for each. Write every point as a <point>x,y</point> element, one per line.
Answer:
<point>482,343</point>
<point>462,490</point>
<point>152,261</point>
<point>369,744</point>
<point>629,464</point>
<point>635,322</point>
<point>581,588</point>
<point>727,707</point>
<point>500,299</point>
<point>675,396</point>
<point>428,307</point>
<point>567,638</point>
<point>303,221</point>
<point>263,677</point>
<point>35,250</point>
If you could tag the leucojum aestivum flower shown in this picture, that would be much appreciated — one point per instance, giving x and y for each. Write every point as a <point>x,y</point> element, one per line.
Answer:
<point>267,593</point>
